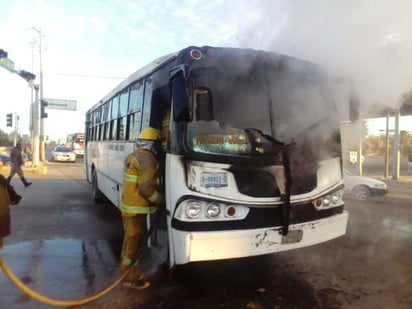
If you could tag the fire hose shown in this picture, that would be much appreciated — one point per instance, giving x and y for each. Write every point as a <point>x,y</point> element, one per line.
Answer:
<point>68,303</point>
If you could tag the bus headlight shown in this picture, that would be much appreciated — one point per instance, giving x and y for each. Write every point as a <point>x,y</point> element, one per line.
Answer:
<point>212,210</point>
<point>193,210</point>
<point>330,200</point>
<point>327,200</point>
<point>336,196</point>
<point>203,210</point>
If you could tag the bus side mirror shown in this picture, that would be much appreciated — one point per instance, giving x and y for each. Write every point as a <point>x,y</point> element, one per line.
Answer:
<point>180,96</point>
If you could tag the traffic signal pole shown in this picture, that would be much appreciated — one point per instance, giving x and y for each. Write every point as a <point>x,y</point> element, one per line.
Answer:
<point>16,129</point>
<point>36,135</point>
<point>396,147</point>
<point>42,148</point>
<point>29,77</point>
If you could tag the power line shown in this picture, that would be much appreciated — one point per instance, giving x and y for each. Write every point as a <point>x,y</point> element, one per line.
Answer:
<point>90,76</point>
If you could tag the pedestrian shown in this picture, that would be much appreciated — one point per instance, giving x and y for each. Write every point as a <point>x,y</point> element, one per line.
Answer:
<point>141,196</point>
<point>16,159</point>
<point>410,163</point>
<point>26,153</point>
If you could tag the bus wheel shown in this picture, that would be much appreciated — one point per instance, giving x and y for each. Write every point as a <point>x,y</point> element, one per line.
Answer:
<point>97,194</point>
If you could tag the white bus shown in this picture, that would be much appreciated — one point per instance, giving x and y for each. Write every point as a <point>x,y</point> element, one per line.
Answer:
<point>76,142</point>
<point>253,161</point>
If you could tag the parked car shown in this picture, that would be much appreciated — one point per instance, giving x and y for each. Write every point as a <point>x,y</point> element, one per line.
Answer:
<point>63,153</point>
<point>5,158</point>
<point>362,188</point>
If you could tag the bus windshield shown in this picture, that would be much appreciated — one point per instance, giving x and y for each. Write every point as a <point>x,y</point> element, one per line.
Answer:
<point>227,105</point>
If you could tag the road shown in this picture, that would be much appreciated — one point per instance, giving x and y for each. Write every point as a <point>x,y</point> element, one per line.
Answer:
<point>66,247</point>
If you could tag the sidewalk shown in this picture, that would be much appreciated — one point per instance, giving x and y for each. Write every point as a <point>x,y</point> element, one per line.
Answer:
<point>402,178</point>
<point>41,169</point>
<point>400,188</point>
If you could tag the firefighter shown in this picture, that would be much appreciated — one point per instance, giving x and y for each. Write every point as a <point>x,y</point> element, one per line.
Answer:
<point>140,196</point>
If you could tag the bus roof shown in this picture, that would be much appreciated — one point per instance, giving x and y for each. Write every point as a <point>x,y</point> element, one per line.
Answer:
<point>144,71</point>
<point>230,55</point>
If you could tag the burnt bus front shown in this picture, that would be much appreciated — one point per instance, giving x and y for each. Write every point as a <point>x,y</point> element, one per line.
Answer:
<point>254,162</point>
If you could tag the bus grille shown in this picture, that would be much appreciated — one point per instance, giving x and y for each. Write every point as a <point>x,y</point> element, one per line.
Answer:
<point>257,182</point>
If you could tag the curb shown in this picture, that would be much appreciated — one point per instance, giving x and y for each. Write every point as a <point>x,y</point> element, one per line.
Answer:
<point>38,170</point>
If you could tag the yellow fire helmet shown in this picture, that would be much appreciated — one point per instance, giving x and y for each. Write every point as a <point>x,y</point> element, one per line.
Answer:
<point>149,133</point>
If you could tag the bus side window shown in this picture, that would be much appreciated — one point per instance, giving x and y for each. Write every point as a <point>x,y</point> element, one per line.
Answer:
<point>106,131</point>
<point>136,97</point>
<point>121,133</point>
<point>123,102</point>
<point>134,126</point>
<point>147,102</point>
<point>100,134</point>
<point>113,130</point>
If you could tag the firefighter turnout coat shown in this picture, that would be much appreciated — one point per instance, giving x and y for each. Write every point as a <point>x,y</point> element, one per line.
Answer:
<point>141,183</point>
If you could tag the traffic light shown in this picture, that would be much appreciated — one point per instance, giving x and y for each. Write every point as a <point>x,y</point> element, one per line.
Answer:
<point>3,53</point>
<point>26,75</point>
<point>43,105</point>
<point>9,120</point>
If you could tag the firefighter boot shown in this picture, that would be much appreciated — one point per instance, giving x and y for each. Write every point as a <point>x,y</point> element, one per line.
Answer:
<point>134,279</point>
<point>25,182</point>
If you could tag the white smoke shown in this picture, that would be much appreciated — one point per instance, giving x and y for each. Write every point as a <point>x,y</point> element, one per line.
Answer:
<point>368,41</point>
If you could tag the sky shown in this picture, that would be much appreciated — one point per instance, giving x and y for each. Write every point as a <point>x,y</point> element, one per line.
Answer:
<point>90,46</point>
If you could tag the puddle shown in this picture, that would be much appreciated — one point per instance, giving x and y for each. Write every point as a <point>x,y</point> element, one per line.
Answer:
<point>61,268</point>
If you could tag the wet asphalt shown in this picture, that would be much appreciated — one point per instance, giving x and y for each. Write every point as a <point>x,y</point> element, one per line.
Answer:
<point>66,247</point>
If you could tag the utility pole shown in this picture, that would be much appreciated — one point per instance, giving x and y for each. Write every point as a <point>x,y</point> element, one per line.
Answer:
<point>396,147</point>
<point>35,154</point>
<point>41,97</point>
<point>387,146</point>
<point>16,129</point>
<point>359,154</point>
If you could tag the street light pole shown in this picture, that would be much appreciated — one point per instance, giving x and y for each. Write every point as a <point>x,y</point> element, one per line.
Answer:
<point>35,159</point>
<point>16,129</point>
<point>42,150</point>
<point>396,148</point>
<point>387,146</point>
<point>359,152</point>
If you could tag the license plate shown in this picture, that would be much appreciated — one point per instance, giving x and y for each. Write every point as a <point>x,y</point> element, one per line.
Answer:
<point>293,236</point>
<point>213,180</point>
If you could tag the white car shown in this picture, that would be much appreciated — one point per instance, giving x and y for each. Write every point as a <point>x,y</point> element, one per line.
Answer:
<point>362,188</point>
<point>63,153</point>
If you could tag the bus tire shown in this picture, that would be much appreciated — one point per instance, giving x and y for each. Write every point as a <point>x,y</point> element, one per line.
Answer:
<point>97,194</point>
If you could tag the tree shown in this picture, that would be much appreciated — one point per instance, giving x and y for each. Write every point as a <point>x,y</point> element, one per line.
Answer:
<point>4,139</point>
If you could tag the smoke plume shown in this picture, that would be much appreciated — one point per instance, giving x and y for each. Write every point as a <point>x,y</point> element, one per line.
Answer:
<point>366,41</point>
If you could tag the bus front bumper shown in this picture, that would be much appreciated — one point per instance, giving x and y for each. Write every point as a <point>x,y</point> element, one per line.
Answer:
<point>217,245</point>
